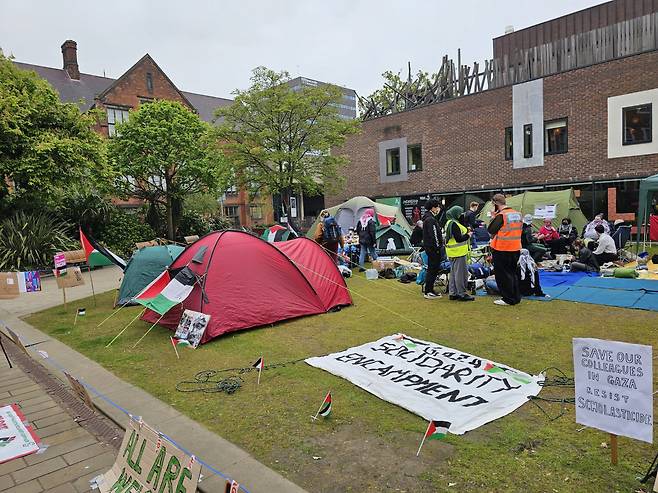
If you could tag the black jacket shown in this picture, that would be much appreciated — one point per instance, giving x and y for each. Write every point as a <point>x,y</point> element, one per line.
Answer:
<point>367,235</point>
<point>417,237</point>
<point>469,219</point>
<point>432,238</point>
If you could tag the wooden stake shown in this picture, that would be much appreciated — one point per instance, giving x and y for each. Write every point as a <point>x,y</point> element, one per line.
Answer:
<point>423,440</point>
<point>64,294</point>
<point>76,318</point>
<point>91,280</point>
<point>147,332</point>
<point>260,369</point>
<point>613,449</point>
<point>124,329</point>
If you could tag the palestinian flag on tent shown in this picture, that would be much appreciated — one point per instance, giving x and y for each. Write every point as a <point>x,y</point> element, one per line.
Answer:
<point>165,293</point>
<point>383,220</point>
<point>279,232</point>
<point>437,430</point>
<point>97,255</point>
<point>325,409</point>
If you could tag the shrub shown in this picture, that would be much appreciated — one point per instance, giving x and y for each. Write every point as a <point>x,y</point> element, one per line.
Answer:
<point>29,241</point>
<point>193,223</point>
<point>124,230</point>
<point>89,209</point>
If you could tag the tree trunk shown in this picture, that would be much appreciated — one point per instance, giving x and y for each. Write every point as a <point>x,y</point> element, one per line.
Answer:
<point>170,219</point>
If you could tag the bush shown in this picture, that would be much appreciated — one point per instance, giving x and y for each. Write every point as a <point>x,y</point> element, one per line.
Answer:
<point>29,241</point>
<point>89,209</point>
<point>193,223</point>
<point>124,230</point>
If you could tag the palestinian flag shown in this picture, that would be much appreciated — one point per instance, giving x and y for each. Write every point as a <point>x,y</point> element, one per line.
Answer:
<point>491,368</point>
<point>163,294</point>
<point>325,409</point>
<point>383,220</point>
<point>180,342</point>
<point>6,440</point>
<point>97,255</point>
<point>437,430</point>
<point>259,364</point>
<point>82,312</point>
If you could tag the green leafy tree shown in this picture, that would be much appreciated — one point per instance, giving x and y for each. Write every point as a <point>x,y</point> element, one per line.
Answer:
<point>394,92</point>
<point>279,141</point>
<point>164,153</point>
<point>46,147</point>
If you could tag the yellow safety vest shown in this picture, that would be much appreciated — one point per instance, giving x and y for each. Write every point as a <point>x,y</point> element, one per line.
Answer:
<point>454,249</point>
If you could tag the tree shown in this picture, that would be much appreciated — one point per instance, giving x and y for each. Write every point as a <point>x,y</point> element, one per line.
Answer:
<point>47,148</point>
<point>396,93</point>
<point>280,141</point>
<point>163,153</point>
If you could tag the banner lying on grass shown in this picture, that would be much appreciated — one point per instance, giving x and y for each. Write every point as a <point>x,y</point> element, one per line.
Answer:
<point>433,381</point>
<point>147,462</point>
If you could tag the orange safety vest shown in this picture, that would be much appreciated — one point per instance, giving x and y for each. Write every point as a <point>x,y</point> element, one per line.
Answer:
<point>508,238</point>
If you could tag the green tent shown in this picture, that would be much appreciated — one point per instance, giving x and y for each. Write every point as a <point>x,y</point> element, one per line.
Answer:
<point>648,187</point>
<point>565,202</point>
<point>144,266</point>
<point>396,236</point>
<point>348,213</point>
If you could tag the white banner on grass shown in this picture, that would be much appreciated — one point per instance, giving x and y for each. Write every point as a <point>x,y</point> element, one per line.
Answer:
<point>433,381</point>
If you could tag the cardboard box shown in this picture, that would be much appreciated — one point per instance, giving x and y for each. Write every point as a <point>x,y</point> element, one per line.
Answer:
<point>71,279</point>
<point>75,257</point>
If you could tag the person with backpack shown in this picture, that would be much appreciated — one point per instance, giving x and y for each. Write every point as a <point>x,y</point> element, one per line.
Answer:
<point>366,229</point>
<point>329,235</point>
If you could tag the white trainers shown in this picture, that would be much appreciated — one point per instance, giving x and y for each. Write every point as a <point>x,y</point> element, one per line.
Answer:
<point>431,296</point>
<point>501,303</point>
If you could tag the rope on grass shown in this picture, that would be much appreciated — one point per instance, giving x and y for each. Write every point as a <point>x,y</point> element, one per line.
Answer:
<point>559,380</point>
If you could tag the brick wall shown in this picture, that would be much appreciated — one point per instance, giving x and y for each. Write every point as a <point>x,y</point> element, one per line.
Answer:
<point>463,139</point>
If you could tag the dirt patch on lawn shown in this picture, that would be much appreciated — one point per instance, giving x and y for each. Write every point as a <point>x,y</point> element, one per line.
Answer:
<point>347,460</point>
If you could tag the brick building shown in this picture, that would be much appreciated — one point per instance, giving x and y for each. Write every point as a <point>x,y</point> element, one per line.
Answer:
<point>572,102</point>
<point>145,81</point>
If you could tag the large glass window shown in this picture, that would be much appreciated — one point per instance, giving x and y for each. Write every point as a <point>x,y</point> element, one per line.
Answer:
<point>393,161</point>
<point>256,211</point>
<point>527,140</point>
<point>555,137</point>
<point>414,158</point>
<point>637,124</point>
<point>115,115</point>
<point>509,149</point>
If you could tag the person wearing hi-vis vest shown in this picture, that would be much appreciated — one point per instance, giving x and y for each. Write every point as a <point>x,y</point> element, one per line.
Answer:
<point>457,247</point>
<point>505,229</point>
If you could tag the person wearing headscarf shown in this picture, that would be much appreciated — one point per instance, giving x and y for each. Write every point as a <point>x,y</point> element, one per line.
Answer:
<point>366,230</point>
<point>568,234</point>
<point>417,234</point>
<point>457,248</point>
<point>590,229</point>
<point>529,275</point>
<point>529,242</point>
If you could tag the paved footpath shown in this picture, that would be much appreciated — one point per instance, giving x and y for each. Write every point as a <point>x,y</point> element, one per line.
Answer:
<point>231,460</point>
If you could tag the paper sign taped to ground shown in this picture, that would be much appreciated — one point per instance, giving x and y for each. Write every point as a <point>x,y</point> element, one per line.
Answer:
<point>545,211</point>
<point>433,381</point>
<point>614,387</point>
<point>148,462</point>
<point>17,439</point>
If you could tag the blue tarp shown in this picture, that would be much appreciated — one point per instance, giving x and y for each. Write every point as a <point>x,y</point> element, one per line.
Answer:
<point>549,279</point>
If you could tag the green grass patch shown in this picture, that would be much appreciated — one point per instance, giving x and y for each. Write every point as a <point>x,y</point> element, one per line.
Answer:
<point>369,445</point>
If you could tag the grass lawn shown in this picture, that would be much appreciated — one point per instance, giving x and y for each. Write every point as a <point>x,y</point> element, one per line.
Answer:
<point>368,444</point>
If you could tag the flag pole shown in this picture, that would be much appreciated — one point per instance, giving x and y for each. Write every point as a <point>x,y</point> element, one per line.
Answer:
<point>174,344</point>
<point>260,368</point>
<point>113,313</point>
<point>76,318</point>
<point>124,329</point>
<point>64,294</point>
<point>147,332</point>
<point>320,408</point>
<point>424,436</point>
<point>91,280</point>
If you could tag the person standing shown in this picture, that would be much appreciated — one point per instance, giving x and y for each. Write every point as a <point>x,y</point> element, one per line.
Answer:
<point>470,220</point>
<point>367,232</point>
<point>329,235</point>
<point>432,243</point>
<point>505,229</point>
<point>457,248</point>
<point>416,239</point>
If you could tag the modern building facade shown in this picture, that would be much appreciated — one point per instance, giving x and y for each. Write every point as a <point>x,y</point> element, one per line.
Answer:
<point>346,108</point>
<point>572,102</point>
<point>145,81</point>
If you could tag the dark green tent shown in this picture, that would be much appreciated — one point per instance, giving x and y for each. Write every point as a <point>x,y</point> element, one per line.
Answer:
<point>648,187</point>
<point>144,266</point>
<point>393,236</point>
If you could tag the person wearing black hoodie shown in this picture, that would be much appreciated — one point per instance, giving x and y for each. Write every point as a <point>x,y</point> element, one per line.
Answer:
<point>432,243</point>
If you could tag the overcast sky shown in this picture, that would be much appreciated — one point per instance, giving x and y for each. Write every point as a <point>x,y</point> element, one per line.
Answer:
<point>211,46</point>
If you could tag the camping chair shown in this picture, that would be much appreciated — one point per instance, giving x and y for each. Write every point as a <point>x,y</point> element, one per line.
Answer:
<point>621,237</point>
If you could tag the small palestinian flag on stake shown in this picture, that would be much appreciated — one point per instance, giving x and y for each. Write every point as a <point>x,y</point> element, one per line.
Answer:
<point>435,431</point>
<point>260,365</point>
<point>325,408</point>
<point>81,312</point>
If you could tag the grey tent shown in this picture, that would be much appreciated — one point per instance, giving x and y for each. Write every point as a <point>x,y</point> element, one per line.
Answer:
<point>648,187</point>
<point>393,236</point>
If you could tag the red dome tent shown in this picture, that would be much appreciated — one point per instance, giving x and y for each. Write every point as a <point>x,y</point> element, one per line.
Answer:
<point>249,282</point>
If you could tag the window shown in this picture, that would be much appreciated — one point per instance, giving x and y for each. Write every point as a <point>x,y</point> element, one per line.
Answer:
<point>393,161</point>
<point>145,100</point>
<point>509,150</point>
<point>256,211</point>
<point>637,124</point>
<point>115,115</point>
<point>149,82</point>
<point>555,137</point>
<point>527,140</point>
<point>414,158</point>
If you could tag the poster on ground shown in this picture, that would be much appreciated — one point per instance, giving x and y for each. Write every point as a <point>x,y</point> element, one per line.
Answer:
<point>433,381</point>
<point>147,462</point>
<point>614,387</point>
<point>192,326</point>
<point>17,438</point>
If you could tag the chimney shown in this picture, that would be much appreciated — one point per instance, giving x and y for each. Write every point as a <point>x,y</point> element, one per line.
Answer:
<point>70,58</point>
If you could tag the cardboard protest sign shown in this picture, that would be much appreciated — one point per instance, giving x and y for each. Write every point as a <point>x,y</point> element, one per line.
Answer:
<point>29,282</point>
<point>17,438</point>
<point>72,278</point>
<point>433,381</point>
<point>614,387</point>
<point>79,390</point>
<point>192,326</point>
<point>15,339</point>
<point>9,285</point>
<point>146,462</point>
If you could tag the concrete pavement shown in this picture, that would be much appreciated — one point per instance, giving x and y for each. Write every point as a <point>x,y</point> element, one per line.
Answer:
<point>223,455</point>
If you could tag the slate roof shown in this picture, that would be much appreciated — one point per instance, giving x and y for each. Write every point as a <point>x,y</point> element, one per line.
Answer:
<point>84,91</point>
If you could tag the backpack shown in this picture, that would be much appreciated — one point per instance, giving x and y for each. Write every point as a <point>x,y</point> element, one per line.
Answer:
<point>331,230</point>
